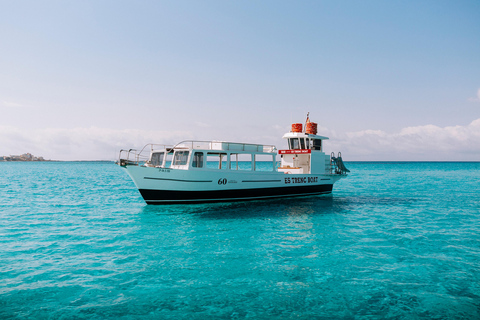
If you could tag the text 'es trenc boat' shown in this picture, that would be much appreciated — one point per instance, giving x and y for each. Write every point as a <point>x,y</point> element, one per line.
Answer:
<point>216,171</point>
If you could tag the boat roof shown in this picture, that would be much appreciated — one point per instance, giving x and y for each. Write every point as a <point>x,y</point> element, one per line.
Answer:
<point>222,146</point>
<point>303,135</point>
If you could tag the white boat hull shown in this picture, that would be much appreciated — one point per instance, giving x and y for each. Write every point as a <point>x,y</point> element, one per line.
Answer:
<point>168,186</point>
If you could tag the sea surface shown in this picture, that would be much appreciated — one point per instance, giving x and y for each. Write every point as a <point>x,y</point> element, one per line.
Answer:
<point>393,241</point>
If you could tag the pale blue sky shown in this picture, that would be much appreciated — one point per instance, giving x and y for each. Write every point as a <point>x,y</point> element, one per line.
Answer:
<point>78,80</point>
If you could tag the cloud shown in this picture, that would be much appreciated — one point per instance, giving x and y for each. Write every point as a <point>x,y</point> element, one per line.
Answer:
<point>423,143</point>
<point>477,99</point>
<point>9,104</point>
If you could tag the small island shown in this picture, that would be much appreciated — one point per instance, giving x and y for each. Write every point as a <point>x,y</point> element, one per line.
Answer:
<point>23,157</point>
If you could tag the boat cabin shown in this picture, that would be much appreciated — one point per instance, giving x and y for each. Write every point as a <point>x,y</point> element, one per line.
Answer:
<point>214,155</point>
<point>304,149</point>
<point>304,155</point>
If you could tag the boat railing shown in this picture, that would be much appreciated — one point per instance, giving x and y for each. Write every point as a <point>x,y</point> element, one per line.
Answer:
<point>136,157</point>
<point>336,164</point>
<point>225,146</point>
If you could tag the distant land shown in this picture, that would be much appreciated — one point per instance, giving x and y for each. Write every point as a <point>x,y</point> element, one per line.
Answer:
<point>23,157</point>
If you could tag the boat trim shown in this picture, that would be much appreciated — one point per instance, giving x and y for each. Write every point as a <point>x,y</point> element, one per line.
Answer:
<point>277,180</point>
<point>179,180</point>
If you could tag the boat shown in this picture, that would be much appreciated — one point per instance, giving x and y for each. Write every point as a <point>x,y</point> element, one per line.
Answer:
<point>219,171</point>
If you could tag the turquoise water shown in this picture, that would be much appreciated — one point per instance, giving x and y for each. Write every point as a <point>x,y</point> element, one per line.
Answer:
<point>394,241</point>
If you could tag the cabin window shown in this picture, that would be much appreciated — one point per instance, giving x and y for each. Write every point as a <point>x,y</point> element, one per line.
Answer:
<point>317,144</point>
<point>197,160</point>
<point>168,159</point>
<point>217,160</point>
<point>264,162</point>
<point>180,158</point>
<point>293,143</point>
<point>241,161</point>
<point>302,143</point>
<point>157,159</point>
<point>234,161</point>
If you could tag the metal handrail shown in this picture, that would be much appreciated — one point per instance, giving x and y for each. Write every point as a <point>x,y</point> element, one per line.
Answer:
<point>210,144</point>
<point>134,157</point>
<point>336,164</point>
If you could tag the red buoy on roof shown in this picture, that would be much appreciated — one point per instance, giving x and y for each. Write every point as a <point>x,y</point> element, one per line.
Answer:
<point>296,127</point>
<point>311,128</point>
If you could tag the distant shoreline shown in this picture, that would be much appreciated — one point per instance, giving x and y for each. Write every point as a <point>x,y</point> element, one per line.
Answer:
<point>23,157</point>
<point>36,161</point>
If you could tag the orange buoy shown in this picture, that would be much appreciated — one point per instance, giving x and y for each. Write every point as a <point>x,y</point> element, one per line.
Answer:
<point>296,127</point>
<point>311,128</point>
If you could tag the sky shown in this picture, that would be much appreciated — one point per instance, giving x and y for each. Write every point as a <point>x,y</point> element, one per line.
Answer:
<point>384,80</point>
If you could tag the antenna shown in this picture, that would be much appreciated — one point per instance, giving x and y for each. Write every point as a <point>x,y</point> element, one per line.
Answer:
<point>306,121</point>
